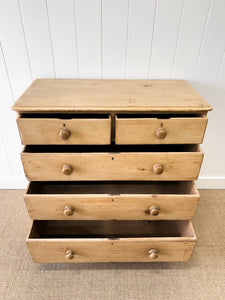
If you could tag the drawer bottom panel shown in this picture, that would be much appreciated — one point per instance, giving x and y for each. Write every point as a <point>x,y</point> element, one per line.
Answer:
<point>111,241</point>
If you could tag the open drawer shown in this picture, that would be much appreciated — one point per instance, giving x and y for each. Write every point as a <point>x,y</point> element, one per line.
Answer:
<point>64,129</point>
<point>160,129</point>
<point>175,200</point>
<point>111,241</point>
<point>70,163</point>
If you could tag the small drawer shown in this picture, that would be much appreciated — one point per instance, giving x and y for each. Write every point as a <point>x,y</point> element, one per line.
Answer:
<point>69,163</point>
<point>64,129</point>
<point>111,241</point>
<point>175,200</point>
<point>160,129</point>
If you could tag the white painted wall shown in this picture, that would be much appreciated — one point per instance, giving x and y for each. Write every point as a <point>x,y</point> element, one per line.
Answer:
<point>177,39</point>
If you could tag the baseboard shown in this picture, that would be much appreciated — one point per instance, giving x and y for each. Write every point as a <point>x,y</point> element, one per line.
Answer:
<point>202,183</point>
<point>211,183</point>
<point>12,183</point>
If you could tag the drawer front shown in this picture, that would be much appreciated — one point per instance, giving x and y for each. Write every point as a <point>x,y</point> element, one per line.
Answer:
<point>94,207</point>
<point>106,250</point>
<point>106,207</point>
<point>111,166</point>
<point>160,131</point>
<point>111,241</point>
<point>34,131</point>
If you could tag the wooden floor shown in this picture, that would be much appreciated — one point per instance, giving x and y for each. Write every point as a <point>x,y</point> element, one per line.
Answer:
<point>201,278</point>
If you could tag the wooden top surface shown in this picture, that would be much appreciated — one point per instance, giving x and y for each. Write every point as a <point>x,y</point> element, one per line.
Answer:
<point>94,95</point>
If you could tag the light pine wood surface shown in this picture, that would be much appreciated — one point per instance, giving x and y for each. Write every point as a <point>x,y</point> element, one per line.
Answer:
<point>111,227</point>
<point>58,202</point>
<point>177,130</point>
<point>71,95</point>
<point>105,207</point>
<point>176,247</point>
<point>46,131</point>
<point>112,166</point>
<point>124,250</point>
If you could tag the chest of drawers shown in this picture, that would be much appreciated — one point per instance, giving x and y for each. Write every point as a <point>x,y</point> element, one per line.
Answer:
<point>111,165</point>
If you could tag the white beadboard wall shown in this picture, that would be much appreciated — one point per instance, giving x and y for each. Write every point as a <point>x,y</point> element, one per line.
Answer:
<point>155,39</point>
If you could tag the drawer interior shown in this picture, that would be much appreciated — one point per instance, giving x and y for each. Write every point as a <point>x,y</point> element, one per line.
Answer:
<point>157,116</point>
<point>67,116</point>
<point>109,148</point>
<point>113,229</point>
<point>113,188</point>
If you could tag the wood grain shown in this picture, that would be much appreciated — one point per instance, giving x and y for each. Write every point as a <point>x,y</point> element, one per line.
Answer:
<point>46,131</point>
<point>103,250</point>
<point>108,207</point>
<point>178,130</point>
<point>112,166</point>
<point>71,95</point>
<point>173,248</point>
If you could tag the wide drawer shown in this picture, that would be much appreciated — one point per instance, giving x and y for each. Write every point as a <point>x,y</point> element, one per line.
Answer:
<point>111,200</point>
<point>70,163</point>
<point>111,241</point>
<point>161,129</point>
<point>64,129</point>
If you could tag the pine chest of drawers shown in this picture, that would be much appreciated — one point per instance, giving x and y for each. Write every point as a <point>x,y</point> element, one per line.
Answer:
<point>111,165</point>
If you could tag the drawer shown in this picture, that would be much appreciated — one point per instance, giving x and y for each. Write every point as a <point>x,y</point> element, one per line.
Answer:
<point>64,129</point>
<point>160,129</point>
<point>111,241</point>
<point>70,163</point>
<point>166,200</point>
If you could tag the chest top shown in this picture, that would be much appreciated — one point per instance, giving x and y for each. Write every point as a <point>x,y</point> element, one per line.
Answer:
<point>94,95</point>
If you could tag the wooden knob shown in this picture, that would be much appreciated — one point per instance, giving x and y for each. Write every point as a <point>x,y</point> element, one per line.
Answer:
<point>64,134</point>
<point>153,253</point>
<point>154,210</point>
<point>69,254</point>
<point>160,133</point>
<point>67,169</point>
<point>68,210</point>
<point>158,169</point>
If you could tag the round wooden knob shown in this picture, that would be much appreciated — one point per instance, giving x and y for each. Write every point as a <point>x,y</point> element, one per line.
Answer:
<point>160,133</point>
<point>153,253</point>
<point>69,254</point>
<point>67,169</point>
<point>68,210</point>
<point>154,210</point>
<point>158,169</point>
<point>64,134</point>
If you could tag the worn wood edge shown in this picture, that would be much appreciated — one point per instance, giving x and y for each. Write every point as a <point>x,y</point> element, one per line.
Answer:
<point>129,239</point>
<point>133,239</point>
<point>195,195</point>
<point>199,151</point>
<point>20,108</point>
<point>99,109</point>
<point>203,117</point>
<point>117,196</point>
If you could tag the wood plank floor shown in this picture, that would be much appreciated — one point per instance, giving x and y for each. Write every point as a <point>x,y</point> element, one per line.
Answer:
<point>201,278</point>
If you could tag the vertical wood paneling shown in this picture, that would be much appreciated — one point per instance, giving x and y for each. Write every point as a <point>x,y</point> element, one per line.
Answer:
<point>166,30</point>
<point>211,54</point>
<point>191,31</point>
<point>14,46</point>
<point>114,37</point>
<point>62,29</point>
<point>209,70</point>
<point>36,28</point>
<point>214,144</point>
<point>88,24</point>
<point>9,132</point>
<point>140,30</point>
